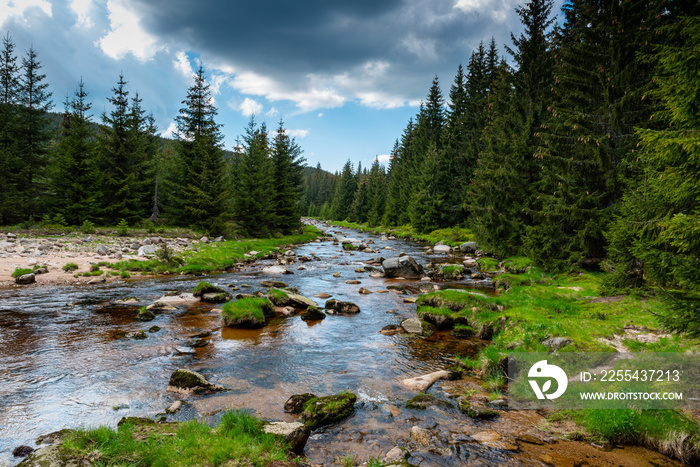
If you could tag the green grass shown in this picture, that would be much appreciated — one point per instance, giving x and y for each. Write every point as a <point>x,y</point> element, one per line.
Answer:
<point>21,272</point>
<point>533,306</point>
<point>247,312</point>
<point>237,438</point>
<point>452,236</point>
<point>217,257</point>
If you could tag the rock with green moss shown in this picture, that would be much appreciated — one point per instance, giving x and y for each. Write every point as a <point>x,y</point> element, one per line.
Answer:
<point>313,313</point>
<point>328,409</point>
<point>341,307</point>
<point>441,318</point>
<point>145,314</point>
<point>423,401</point>
<point>247,313</point>
<point>295,404</point>
<point>418,326</point>
<point>476,412</point>
<point>268,284</point>
<point>55,455</point>
<point>188,380</point>
<point>209,293</point>
<point>278,297</point>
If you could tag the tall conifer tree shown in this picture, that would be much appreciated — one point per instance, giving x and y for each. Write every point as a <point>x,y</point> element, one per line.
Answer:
<point>287,181</point>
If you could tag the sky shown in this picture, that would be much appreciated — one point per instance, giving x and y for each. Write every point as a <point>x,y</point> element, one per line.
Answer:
<point>344,75</point>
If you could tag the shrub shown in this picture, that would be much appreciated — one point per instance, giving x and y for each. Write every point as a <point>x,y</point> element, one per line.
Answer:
<point>70,267</point>
<point>88,227</point>
<point>122,228</point>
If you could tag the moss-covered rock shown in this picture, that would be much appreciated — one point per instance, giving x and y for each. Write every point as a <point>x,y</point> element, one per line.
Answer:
<point>211,293</point>
<point>268,284</point>
<point>278,297</point>
<point>313,313</point>
<point>341,307</point>
<point>247,313</point>
<point>418,326</point>
<point>295,404</point>
<point>456,300</point>
<point>328,409</point>
<point>423,401</point>
<point>191,381</point>
<point>145,314</point>
<point>441,318</point>
<point>476,412</point>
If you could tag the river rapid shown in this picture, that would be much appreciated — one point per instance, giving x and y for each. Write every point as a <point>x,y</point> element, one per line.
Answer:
<point>63,363</point>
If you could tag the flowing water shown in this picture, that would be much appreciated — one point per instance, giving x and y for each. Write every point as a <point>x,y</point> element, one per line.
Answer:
<point>63,363</point>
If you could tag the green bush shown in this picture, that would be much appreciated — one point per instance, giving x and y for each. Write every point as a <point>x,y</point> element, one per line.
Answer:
<point>123,228</point>
<point>88,227</point>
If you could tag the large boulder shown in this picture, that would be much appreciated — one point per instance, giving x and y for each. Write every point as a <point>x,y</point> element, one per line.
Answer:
<point>313,313</point>
<point>328,409</point>
<point>189,380</point>
<point>147,250</point>
<point>102,250</point>
<point>295,434</point>
<point>402,266</point>
<point>468,247</point>
<point>442,248</point>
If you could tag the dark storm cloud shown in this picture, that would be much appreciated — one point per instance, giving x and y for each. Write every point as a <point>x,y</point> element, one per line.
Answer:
<point>290,40</point>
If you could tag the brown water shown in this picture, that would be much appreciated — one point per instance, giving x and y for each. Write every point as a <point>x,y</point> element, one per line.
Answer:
<point>62,364</point>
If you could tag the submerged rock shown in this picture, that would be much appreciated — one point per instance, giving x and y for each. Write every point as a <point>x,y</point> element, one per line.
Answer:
<point>272,284</point>
<point>191,381</point>
<point>328,409</point>
<point>313,313</point>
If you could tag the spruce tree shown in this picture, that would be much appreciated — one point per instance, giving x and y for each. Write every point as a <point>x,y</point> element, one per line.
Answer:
<point>376,194</point>
<point>34,135</point>
<point>76,180</point>
<point>287,182</point>
<point>655,241</point>
<point>200,184</point>
<point>344,193</point>
<point>586,159</point>
<point>10,163</point>
<point>121,159</point>
<point>253,183</point>
<point>503,190</point>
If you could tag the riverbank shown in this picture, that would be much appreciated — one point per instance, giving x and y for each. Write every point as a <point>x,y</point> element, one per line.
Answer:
<point>76,258</point>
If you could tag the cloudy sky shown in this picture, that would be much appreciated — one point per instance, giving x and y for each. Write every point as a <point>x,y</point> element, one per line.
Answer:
<point>345,75</point>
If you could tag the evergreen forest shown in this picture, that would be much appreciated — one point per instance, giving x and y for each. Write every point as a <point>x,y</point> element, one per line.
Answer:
<point>577,147</point>
<point>66,169</point>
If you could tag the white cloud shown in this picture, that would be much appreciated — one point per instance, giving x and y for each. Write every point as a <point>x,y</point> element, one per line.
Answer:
<point>127,36</point>
<point>497,9</point>
<point>170,132</point>
<point>82,9</point>
<point>298,133</point>
<point>17,9</point>
<point>383,158</point>
<point>250,107</point>
<point>424,49</point>
<point>215,84</point>
<point>273,112</point>
<point>183,65</point>
<point>320,115</point>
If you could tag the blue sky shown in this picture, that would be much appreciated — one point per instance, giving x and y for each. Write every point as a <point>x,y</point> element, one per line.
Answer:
<point>344,75</point>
